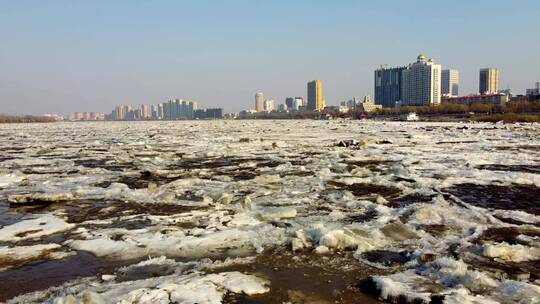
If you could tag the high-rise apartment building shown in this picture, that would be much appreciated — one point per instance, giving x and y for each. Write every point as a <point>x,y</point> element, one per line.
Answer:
<point>289,102</point>
<point>144,112</point>
<point>294,103</point>
<point>315,98</point>
<point>118,113</point>
<point>269,105</point>
<point>450,82</point>
<point>154,112</point>
<point>489,81</point>
<point>421,83</point>
<point>161,111</point>
<point>299,101</point>
<point>388,82</point>
<point>259,102</point>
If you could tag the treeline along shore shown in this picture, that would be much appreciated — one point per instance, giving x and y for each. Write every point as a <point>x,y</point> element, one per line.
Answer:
<point>25,119</point>
<point>514,111</point>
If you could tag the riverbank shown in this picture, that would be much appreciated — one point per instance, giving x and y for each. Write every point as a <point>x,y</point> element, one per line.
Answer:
<point>25,119</point>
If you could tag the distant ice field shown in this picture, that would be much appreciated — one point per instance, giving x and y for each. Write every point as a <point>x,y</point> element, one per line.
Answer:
<point>276,211</point>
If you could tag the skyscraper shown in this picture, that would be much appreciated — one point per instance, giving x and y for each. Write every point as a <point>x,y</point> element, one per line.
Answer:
<point>299,101</point>
<point>119,113</point>
<point>269,105</point>
<point>450,82</point>
<point>289,102</point>
<point>191,108</point>
<point>259,102</point>
<point>144,112</point>
<point>154,111</point>
<point>161,111</point>
<point>489,81</point>
<point>421,83</point>
<point>388,82</point>
<point>315,96</point>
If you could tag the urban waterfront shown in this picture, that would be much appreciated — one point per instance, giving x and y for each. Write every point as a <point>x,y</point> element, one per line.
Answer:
<point>252,211</point>
<point>269,152</point>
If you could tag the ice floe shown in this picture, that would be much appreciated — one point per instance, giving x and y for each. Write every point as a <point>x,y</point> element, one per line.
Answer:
<point>432,211</point>
<point>33,227</point>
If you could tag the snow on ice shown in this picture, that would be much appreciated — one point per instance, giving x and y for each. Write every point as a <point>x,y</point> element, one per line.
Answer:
<point>431,211</point>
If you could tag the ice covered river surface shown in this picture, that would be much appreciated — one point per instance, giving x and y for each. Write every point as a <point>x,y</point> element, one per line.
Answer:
<point>269,212</point>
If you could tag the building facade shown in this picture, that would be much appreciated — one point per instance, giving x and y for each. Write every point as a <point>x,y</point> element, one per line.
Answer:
<point>450,82</point>
<point>282,107</point>
<point>421,83</point>
<point>315,100</point>
<point>489,81</point>
<point>289,102</point>
<point>388,82</point>
<point>154,112</point>
<point>298,103</point>
<point>269,105</point>
<point>259,102</point>
<point>144,112</point>
<point>213,113</point>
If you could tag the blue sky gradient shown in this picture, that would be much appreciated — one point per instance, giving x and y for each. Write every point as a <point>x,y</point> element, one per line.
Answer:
<point>65,56</point>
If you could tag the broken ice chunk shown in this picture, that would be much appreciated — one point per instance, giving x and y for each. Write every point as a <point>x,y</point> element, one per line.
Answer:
<point>276,213</point>
<point>21,255</point>
<point>32,228</point>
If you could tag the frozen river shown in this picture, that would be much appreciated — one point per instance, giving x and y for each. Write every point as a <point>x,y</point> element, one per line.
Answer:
<point>269,212</point>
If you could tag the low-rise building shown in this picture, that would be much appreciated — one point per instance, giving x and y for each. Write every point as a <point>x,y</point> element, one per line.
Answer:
<point>367,105</point>
<point>535,91</point>
<point>343,109</point>
<point>86,116</point>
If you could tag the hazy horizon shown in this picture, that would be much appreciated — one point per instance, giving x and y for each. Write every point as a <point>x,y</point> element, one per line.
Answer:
<point>64,56</point>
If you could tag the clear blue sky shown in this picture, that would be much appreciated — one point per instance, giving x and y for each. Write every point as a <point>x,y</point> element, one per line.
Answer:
<point>65,56</point>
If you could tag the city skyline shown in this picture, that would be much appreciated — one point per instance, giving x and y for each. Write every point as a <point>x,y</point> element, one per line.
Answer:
<point>64,57</point>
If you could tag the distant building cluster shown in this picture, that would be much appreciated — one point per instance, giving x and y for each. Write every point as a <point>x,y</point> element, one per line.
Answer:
<point>425,83</point>
<point>295,103</point>
<point>418,83</point>
<point>366,105</point>
<point>174,109</point>
<point>86,116</point>
<point>533,92</point>
<point>315,101</point>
